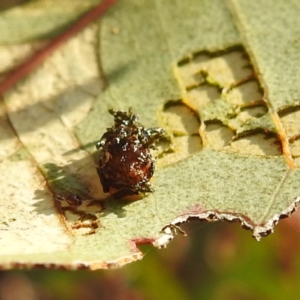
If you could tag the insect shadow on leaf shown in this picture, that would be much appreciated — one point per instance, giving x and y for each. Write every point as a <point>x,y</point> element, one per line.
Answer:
<point>71,195</point>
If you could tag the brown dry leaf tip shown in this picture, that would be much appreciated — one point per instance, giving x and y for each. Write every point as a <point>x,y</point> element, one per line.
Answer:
<point>126,164</point>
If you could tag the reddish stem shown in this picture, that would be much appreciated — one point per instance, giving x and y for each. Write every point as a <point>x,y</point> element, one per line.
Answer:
<point>36,60</point>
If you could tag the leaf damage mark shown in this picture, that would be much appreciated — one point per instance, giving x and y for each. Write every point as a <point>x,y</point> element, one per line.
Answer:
<point>221,86</point>
<point>197,213</point>
<point>73,195</point>
<point>219,90</point>
<point>182,124</point>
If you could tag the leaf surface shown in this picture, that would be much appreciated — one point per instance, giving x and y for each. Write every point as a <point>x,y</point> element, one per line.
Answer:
<point>39,19</point>
<point>232,148</point>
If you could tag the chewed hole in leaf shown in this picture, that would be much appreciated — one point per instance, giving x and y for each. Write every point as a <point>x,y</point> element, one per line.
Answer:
<point>181,119</point>
<point>190,75</point>
<point>294,143</point>
<point>218,135</point>
<point>75,190</point>
<point>256,143</point>
<point>295,148</point>
<point>290,119</point>
<point>222,68</point>
<point>230,102</point>
<point>81,222</point>
<point>244,94</point>
<point>229,69</point>
<point>214,84</point>
<point>202,95</point>
<point>255,111</point>
<point>183,124</point>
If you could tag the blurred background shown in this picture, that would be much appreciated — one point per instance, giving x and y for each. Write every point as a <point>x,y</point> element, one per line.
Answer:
<point>215,261</point>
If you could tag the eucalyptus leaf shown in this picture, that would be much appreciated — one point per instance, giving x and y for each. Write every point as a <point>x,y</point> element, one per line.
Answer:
<point>232,146</point>
<point>37,19</point>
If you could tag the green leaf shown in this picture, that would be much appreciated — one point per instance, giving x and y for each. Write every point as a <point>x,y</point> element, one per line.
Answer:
<point>273,43</point>
<point>232,148</point>
<point>40,19</point>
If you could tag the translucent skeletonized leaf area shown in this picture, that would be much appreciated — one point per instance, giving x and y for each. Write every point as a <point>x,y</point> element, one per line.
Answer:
<point>229,154</point>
